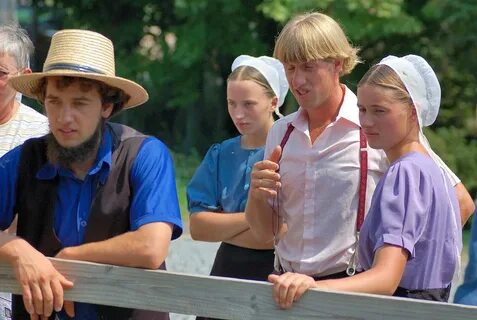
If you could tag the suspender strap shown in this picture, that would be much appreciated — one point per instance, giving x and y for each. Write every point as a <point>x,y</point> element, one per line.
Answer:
<point>363,171</point>
<point>290,128</point>
<point>277,264</point>
<point>363,178</point>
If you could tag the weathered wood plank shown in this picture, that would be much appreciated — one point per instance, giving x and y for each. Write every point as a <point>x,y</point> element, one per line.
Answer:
<point>228,298</point>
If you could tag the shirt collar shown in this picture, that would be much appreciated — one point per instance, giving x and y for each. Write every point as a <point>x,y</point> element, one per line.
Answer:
<point>102,164</point>
<point>349,109</point>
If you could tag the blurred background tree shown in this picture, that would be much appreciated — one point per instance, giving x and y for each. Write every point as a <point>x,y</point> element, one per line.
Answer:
<point>181,51</point>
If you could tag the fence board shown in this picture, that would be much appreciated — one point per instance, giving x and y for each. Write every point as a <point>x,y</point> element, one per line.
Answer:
<point>228,298</point>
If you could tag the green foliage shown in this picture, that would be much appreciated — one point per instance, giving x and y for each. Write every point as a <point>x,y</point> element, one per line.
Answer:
<point>185,166</point>
<point>181,51</point>
<point>450,144</point>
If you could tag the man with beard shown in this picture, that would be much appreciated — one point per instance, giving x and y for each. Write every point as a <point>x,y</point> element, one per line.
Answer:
<point>90,190</point>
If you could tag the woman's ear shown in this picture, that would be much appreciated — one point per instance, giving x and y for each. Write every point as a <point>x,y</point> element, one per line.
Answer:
<point>273,104</point>
<point>414,114</point>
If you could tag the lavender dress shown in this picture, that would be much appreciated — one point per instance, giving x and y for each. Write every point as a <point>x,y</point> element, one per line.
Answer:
<point>415,207</point>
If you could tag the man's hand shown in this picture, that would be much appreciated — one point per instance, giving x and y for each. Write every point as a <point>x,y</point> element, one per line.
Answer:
<point>41,283</point>
<point>69,306</point>
<point>265,180</point>
<point>289,287</point>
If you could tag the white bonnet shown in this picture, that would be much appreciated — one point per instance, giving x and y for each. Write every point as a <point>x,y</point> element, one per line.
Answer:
<point>421,83</point>
<point>271,68</point>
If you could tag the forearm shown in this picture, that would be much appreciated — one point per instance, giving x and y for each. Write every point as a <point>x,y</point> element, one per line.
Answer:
<point>215,226</point>
<point>247,239</point>
<point>146,247</point>
<point>382,278</point>
<point>11,247</point>
<point>371,281</point>
<point>259,215</point>
<point>466,204</point>
<point>42,285</point>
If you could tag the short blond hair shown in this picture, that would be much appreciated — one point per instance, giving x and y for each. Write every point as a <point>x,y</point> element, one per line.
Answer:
<point>314,36</point>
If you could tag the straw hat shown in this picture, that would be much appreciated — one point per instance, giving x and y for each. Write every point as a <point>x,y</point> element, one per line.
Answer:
<point>84,54</point>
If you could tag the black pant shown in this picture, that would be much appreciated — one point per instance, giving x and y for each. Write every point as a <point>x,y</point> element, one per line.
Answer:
<point>241,263</point>
<point>438,294</point>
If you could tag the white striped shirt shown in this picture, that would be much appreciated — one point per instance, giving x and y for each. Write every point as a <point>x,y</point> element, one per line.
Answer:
<point>26,123</point>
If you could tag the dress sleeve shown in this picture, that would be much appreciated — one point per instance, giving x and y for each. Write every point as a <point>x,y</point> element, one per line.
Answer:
<point>403,206</point>
<point>202,190</point>
<point>153,182</point>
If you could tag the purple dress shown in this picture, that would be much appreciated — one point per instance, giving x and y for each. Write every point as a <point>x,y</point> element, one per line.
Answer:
<point>415,207</point>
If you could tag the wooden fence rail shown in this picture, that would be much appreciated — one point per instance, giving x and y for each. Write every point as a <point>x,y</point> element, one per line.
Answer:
<point>228,298</point>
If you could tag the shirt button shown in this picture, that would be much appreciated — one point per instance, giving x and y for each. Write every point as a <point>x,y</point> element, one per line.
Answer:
<point>245,187</point>
<point>83,223</point>
<point>248,170</point>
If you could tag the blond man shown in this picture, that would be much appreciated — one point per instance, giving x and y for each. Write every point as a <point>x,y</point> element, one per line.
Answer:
<point>319,175</point>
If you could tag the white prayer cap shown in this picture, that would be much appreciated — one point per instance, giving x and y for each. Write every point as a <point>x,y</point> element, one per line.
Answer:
<point>421,83</point>
<point>273,71</point>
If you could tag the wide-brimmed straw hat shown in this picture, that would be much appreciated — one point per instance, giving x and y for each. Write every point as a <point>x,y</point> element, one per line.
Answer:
<point>84,54</point>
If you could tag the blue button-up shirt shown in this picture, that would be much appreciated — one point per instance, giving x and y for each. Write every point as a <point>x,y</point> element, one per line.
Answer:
<point>154,196</point>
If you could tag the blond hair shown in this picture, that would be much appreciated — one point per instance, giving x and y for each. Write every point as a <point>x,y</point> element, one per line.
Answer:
<point>315,36</point>
<point>385,77</point>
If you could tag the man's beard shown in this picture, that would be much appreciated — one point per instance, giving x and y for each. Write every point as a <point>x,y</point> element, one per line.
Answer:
<point>65,157</point>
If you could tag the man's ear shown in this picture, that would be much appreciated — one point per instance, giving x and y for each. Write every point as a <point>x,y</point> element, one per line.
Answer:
<point>339,63</point>
<point>107,110</point>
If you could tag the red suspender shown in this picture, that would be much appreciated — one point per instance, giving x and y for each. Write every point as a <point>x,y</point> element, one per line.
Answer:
<point>363,171</point>
<point>290,128</point>
<point>363,178</point>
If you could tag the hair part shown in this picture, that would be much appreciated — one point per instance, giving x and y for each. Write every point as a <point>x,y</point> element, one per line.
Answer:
<point>108,94</point>
<point>383,76</point>
<point>15,42</point>
<point>315,36</point>
<point>250,73</point>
